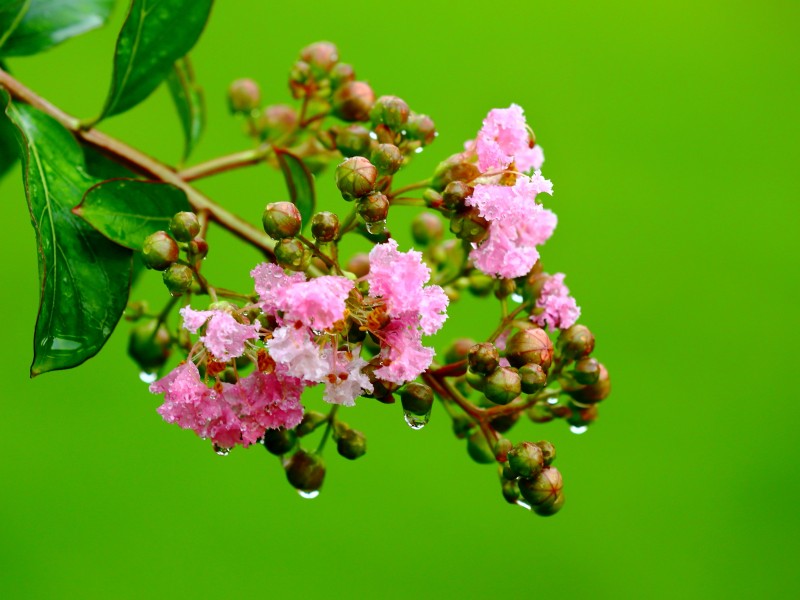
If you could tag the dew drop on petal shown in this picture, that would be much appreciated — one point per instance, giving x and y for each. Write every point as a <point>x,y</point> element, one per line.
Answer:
<point>376,227</point>
<point>416,421</point>
<point>578,429</point>
<point>308,495</point>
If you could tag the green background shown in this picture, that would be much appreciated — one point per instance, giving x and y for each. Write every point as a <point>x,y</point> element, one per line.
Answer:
<point>670,130</point>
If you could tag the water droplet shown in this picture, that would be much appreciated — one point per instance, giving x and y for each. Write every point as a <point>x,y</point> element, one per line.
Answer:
<point>221,451</point>
<point>578,429</point>
<point>308,495</point>
<point>376,227</point>
<point>416,421</point>
<point>524,505</point>
<point>552,400</point>
<point>373,135</point>
<point>516,298</point>
<point>419,150</point>
<point>148,377</point>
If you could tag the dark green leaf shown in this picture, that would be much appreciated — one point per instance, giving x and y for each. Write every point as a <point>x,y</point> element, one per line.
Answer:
<point>126,211</point>
<point>11,13</point>
<point>101,167</point>
<point>9,148</point>
<point>188,97</point>
<point>156,34</point>
<point>84,277</point>
<point>50,22</point>
<point>300,182</point>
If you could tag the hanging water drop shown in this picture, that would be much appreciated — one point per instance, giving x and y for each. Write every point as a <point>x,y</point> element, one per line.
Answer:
<point>552,401</point>
<point>517,298</point>
<point>416,421</point>
<point>308,495</point>
<point>376,227</point>
<point>578,429</point>
<point>221,451</point>
<point>524,505</point>
<point>148,377</point>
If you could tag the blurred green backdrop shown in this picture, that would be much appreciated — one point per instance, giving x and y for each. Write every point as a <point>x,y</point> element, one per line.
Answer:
<point>670,132</point>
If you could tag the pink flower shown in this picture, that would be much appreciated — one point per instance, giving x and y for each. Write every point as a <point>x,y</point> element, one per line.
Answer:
<point>345,380</point>
<point>270,280</point>
<point>293,347</point>
<point>225,337</point>
<point>503,139</point>
<point>559,309</point>
<point>318,303</point>
<point>404,356</point>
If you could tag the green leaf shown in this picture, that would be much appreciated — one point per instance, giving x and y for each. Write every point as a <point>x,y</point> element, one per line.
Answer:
<point>156,34</point>
<point>11,13</point>
<point>126,211</point>
<point>99,166</point>
<point>300,182</point>
<point>50,22</point>
<point>84,277</point>
<point>188,97</point>
<point>9,148</point>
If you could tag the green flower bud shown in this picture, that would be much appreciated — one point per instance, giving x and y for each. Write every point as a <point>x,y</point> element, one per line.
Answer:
<point>502,385</point>
<point>198,248</point>
<point>540,413</point>
<point>355,177</point>
<point>352,444</point>
<point>387,158</point>
<point>510,491</point>
<point>159,251</point>
<point>279,441</point>
<point>305,471</point>
<point>325,226</point>
<point>184,226</point>
<point>276,121</point>
<point>461,426</point>
<point>453,169</point>
<point>178,278</point>
<point>281,220</point>
<point>550,506</point>
<point>432,198</point>
<point>149,345</point>
<point>291,254</point>
<point>373,208</point>
<point>475,380</point>
<point>586,371</point>
<point>300,76</point>
<point>501,449</point>
<point>526,460</point>
<point>582,416</point>
<point>353,140</point>
<point>530,346</point>
<point>503,423</point>
<point>353,101</point>
<point>467,224</point>
<point>358,264</point>
<point>533,378</point>
<point>546,486</point>
<point>599,390</point>
<point>390,111</point>
<point>416,398</point>
<point>458,350</point>
<point>480,284</point>
<point>311,420</point>
<point>320,56</point>
<point>483,358</point>
<point>548,452</point>
<point>426,228</point>
<point>455,194</point>
<point>420,127</point>
<point>244,96</point>
<point>505,288</point>
<point>479,450</point>
<point>341,74</point>
<point>576,342</point>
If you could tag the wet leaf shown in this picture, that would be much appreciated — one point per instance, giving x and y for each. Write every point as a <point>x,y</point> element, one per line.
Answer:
<point>11,13</point>
<point>9,148</point>
<point>300,183</point>
<point>188,98</point>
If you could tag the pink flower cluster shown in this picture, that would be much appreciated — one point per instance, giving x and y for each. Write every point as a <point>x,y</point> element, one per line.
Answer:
<point>557,309</point>
<point>505,139</point>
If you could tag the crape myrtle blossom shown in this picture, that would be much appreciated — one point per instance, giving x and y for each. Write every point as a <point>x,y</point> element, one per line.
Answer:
<point>224,336</point>
<point>505,139</point>
<point>556,308</point>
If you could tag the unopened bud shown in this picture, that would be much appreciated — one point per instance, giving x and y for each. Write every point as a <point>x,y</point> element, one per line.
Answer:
<point>355,177</point>
<point>530,346</point>
<point>277,120</point>
<point>583,416</point>
<point>503,423</point>
<point>505,288</point>
<point>291,254</point>
<point>420,127</point>
<point>244,96</point>
<point>281,220</point>
<point>483,358</point>
<point>358,264</point>
<point>540,413</point>
<point>198,248</point>
<point>373,208</point>
<point>305,471</point>
<point>548,452</point>
<point>510,491</point>
<point>279,441</point>
<point>454,169</point>
<point>300,76</point>
<point>178,278</point>
<point>480,284</point>
<point>586,371</point>
<point>320,56</point>
<point>479,450</point>
<point>390,111</point>
<point>353,101</point>
<point>432,198</point>
<point>501,449</point>
<point>353,140</point>
<point>149,345</point>
<point>159,251</point>
<point>599,390</point>
<point>546,486</point>
<point>426,228</point>
<point>311,420</point>
<point>533,378</point>
<point>576,342</point>
<point>352,444</point>
<point>467,224</point>
<point>417,398</point>
<point>461,426</point>
<point>387,158</point>
<point>341,74</point>
<point>455,194</point>
<point>325,226</point>
<point>502,385</point>
<point>526,460</point>
<point>475,380</point>
<point>550,506</point>
<point>458,350</point>
<point>184,226</point>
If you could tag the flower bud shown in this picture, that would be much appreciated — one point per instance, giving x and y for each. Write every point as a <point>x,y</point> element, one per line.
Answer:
<point>475,380</point>
<point>501,449</point>
<point>586,371</point>
<point>387,158</point>
<point>355,177</point>
<point>305,471</point>
<point>291,254</point>
<point>299,77</point>
<point>159,251</point>
<point>530,346</point>
<point>546,486</point>
<point>244,96</point>
<point>149,345</point>
<point>311,420</point>
<point>178,278</point>
<point>510,491</point>
<point>502,385</point>
<point>532,377</point>
<point>526,460</point>
<point>599,390</point>
<point>390,111</point>
<point>458,350</point>
<point>373,208</point>
<point>417,398</point>
<point>540,413</point>
<point>341,74</point>
<point>483,358</point>
<point>353,140</point>
<point>358,264</point>
<point>420,127</point>
<point>461,426</point>
<point>479,450</point>
<point>198,248</point>
<point>351,444</point>
<point>480,284</point>
<point>325,226</point>
<point>279,441</point>
<point>548,452</point>
<point>426,228</point>
<point>455,194</point>
<point>467,224</point>
<point>184,226</point>
<point>453,169</point>
<point>432,198</point>
<point>277,120</point>
<point>281,220</point>
<point>505,288</point>
<point>550,506</point>
<point>576,342</point>
<point>582,416</point>
<point>503,423</point>
<point>320,56</point>
<point>353,101</point>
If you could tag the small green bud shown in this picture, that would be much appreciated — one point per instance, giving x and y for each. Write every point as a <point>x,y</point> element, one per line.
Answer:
<point>548,452</point>
<point>526,460</point>
<point>305,471</point>
<point>341,74</point>
<point>281,220</point>
<point>550,506</point>
<point>467,224</point>
<point>184,226</point>
<point>373,208</point>
<point>546,486</point>
<point>455,194</point>
<point>458,350</point>
<point>426,228</point>
<point>510,491</point>
<point>501,449</point>
<point>178,278</point>
<point>387,158</point>
<point>540,413</point>
<point>325,226</point>
<point>533,378</point>
<point>530,346</point>
<point>453,169</point>
<point>582,416</point>
<point>480,284</point>
<point>320,56</point>
<point>358,264</point>
<point>586,371</point>
<point>483,358</point>
<point>159,251</point>
<point>432,198</point>
<point>390,111</point>
<point>355,177</point>
<point>353,140</point>
<point>416,398</point>
<point>461,426</point>
<point>291,254</point>
<point>420,127</point>
<point>311,420</point>
<point>352,444</point>
<point>277,120</point>
<point>475,380</point>
<point>149,345</point>
<point>479,450</point>
<point>576,342</point>
<point>279,441</point>
<point>244,96</point>
<point>353,101</point>
<point>300,76</point>
<point>502,385</point>
<point>599,390</point>
<point>505,288</point>
<point>198,248</point>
